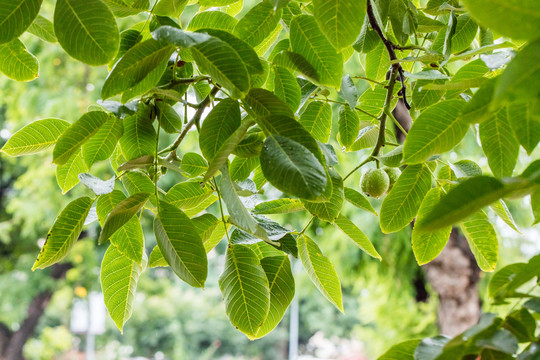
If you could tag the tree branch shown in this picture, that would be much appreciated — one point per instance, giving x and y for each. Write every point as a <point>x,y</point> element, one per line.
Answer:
<point>194,120</point>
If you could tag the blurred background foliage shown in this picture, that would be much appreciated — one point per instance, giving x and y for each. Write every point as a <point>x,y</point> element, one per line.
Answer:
<point>172,320</point>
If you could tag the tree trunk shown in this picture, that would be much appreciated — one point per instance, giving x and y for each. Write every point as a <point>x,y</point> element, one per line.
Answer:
<point>12,343</point>
<point>454,274</point>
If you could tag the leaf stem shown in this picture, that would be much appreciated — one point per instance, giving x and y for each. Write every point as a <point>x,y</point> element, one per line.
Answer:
<point>356,108</point>
<point>221,210</point>
<point>307,225</point>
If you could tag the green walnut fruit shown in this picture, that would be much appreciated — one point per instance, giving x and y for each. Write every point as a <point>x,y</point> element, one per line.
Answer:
<point>375,183</point>
<point>393,175</point>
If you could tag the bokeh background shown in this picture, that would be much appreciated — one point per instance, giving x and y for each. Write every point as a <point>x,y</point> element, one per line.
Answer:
<point>385,302</point>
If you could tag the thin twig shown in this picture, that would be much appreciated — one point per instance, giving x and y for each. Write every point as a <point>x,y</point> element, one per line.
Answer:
<point>194,120</point>
<point>191,80</point>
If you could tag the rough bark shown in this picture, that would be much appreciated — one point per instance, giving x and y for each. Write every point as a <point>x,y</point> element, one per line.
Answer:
<point>12,343</point>
<point>454,275</point>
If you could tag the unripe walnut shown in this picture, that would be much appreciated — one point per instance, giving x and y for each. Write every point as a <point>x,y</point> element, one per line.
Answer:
<point>375,183</point>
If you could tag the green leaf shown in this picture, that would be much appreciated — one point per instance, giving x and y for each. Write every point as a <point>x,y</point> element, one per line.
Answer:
<point>245,290</point>
<point>349,125</point>
<point>392,158</point>
<point>181,245</point>
<point>43,28</point>
<point>522,324</point>
<point>226,149</point>
<point>468,76</point>
<point>89,38</point>
<point>123,8</point>
<point>526,125</point>
<point>377,63</point>
<point>218,126</point>
<point>281,284</point>
<point>64,233</point>
<point>264,103</point>
<point>428,245</point>
<point>296,63</point>
<point>340,20</point>
<point>218,59</point>
<point>101,145</point>
<point>216,2</point>
<point>430,348</point>
<point>121,214</point>
<point>210,230</point>
<point>320,270</point>
<point>507,279</point>
<point>367,40</point>
<point>239,214</point>
<point>463,200</point>
<point>482,240</point>
<point>466,29</point>
<point>514,18</point>
<point>535,205</point>
<point>189,194</point>
<point>193,164</point>
<point>348,90</point>
<point>157,259</point>
<point>499,144</point>
<point>77,134</point>
<point>358,200</point>
<point>356,235</point>
<point>67,175</point>
<point>251,144</point>
<point>171,8</point>
<point>401,351</point>
<point>292,168</point>
<point>402,203</point>
<point>136,65</point>
<point>246,52</point>
<point>423,94</point>
<point>242,167</point>
<point>35,137</point>
<point>308,40</point>
<point>178,37</point>
<point>286,87</point>
<point>213,20</point>
<point>17,63</point>
<point>478,108</point>
<point>437,130</point>
<point>278,206</point>
<point>520,80</point>
<point>16,15</point>
<point>136,182</point>
<point>119,277</point>
<point>129,238</point>
<point>328,210</point>
<point>501,209</point>
<point>257,23</point>
<point>139,137</point>
<point>169,120</point>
